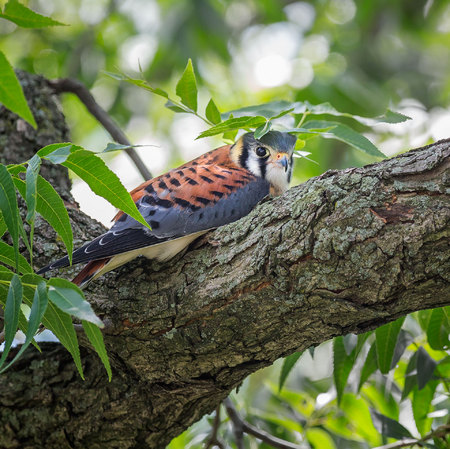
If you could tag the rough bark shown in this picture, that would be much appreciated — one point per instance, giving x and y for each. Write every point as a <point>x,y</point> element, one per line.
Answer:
<point>344,252</point>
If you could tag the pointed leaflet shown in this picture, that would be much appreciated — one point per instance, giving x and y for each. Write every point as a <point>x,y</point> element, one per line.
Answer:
<point>61,325</point>
<point>38,308</point>
<point>96,338</point>
<point>24,17</point>
<point>70,299</point>
<point>212,113</point>
<point>425,367</point>
<point>386,340</point>
<point>421,404</point>
<point>11,93</point>
<point>103,182</point>
<point>12,310</point>
<point>262,130</point>
<point>10,209</point>
<point>388,427</point>
<point>187,87</point>
<point>7,256</point>
<point>34,164</point>
<point>369,367</point>
<point>345,134</point>
<point>233,124</point>
<point>343,364</point>
<point>288,363</point>
<point>50,205</point>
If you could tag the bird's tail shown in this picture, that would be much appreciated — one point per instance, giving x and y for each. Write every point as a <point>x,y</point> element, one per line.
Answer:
<point>90,270</point>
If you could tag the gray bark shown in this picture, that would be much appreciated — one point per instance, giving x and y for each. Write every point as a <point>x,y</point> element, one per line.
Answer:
<point>344,252</point>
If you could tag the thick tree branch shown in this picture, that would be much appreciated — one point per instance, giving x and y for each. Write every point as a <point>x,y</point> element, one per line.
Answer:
<point>344,252</point>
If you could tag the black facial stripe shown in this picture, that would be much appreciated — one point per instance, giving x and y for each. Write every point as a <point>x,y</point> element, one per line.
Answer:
<point>243,158</point>
<point>262,167</point>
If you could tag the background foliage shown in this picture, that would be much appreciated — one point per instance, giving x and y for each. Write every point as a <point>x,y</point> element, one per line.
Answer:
<point>362,57</point>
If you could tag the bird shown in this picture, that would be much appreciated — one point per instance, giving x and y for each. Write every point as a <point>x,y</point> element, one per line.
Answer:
<point>217,188</point>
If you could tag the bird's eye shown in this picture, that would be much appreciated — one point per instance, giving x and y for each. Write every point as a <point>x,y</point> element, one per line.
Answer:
<point>262,152</point>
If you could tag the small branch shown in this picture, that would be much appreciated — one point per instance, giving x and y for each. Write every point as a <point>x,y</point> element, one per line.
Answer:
<point>80,90</point>
<point>242,426</point>
<point>439,432</point>
<point>214,439</point>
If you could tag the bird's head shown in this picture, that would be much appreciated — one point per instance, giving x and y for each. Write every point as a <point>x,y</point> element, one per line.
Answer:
<point>269,157</point>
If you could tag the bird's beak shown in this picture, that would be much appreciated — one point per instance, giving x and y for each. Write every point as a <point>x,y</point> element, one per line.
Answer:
<point>283,160</point>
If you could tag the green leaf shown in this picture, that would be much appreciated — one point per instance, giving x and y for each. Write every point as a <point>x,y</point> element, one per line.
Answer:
<point>10,209</point>
<point>3,227</point>
<point>49,149</point>
<point>233,124</point>
<point>175,107</point>
<point>34,164</point>
<point>187,87</point>
<point>268,110</point>
<point>369,367</point>
<point>11,93</point>
<point>421,405</point>
<point>103,182</point>
<point>262,130</point>
<point>38,308</point>
<point>438,329</point>
<point>50,205</point>
<point>12,310</point>
<point>212,113</point>
<point>58,155</point>
<point>96,338</point>
<point>61,325</point>
<point>388,427</point>
<point>345,134</point>
<point>288,364</point>
<point>410,376</point>
<point>319,438</point>
<point>7,256</point>
<point>386,340</point>
<point>26,18</point>
<point>343,364</point>
<point>425,367</point>
<point>70,299</point>
<point>139,83</point>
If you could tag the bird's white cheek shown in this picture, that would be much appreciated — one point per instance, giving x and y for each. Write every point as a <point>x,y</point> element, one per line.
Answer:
<point>253,166</point>
<point>277,177</point>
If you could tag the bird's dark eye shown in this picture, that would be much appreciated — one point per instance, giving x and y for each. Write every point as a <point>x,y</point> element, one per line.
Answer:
<point>262,152</point>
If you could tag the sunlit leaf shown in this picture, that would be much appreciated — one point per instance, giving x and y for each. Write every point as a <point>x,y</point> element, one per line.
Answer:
<point>388,427</point>
<point>288,364</point>
<point>319,438</point>
<point>38,308</point>
<point>421,405</point>
<point>33,167</point>
<point>386,340</point>
<point>266,110</point>
<point>96,338</point>
<point>10,209</point>
<point>212,113</point>
<point>102,181</point>
<point>70,299</point>
<point>11,315</point>
<point>11,93</point>
<point>25,17</point>
<point>187,87</point>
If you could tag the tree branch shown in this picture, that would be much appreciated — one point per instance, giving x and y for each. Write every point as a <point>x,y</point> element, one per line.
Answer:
<point>80,90</point>
<point>345,252</point>
<point>244,426</point>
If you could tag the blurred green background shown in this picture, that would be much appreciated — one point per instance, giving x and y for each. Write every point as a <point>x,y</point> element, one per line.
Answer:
<point>361,56</point>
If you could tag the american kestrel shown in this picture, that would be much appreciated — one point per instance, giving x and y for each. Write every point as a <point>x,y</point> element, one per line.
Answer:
<point>217,188</point>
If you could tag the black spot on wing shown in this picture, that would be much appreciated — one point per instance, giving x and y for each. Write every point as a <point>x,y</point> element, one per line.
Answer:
<point>191,181</point>
<point>175,182</point>
<point>202,200</point>
<point>206,179</point>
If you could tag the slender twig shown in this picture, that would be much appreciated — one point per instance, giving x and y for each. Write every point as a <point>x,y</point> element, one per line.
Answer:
<point>439,432</point>
<point>80,90</point>
<point>243,426</point>
<point>214,440</point>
